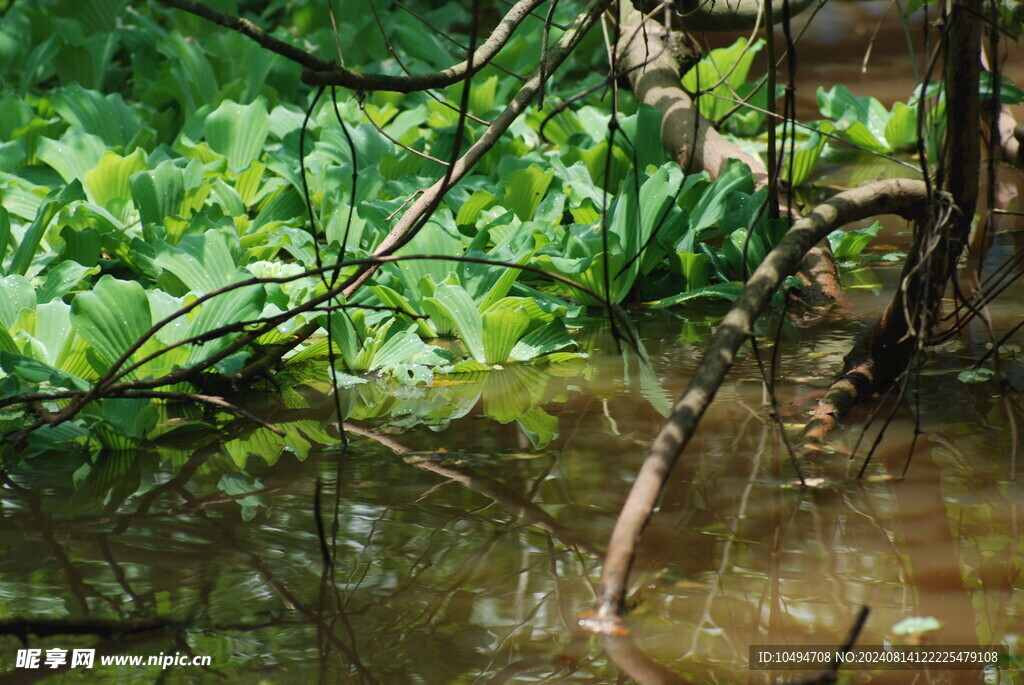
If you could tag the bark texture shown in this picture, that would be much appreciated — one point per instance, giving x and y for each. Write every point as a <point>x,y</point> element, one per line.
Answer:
<point>882,355</point>
<point>648,53</point>
<point>900,196</point>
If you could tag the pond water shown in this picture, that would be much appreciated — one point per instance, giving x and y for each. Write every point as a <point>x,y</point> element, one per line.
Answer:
<point>440,548</point>
<point>464,554</point>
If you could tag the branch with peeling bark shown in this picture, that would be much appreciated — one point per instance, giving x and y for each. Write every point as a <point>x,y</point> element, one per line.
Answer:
<point>648,56</point>
<point>904,197</point>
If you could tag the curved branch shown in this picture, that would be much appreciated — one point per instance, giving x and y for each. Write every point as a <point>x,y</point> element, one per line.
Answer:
<point>724,15</point>
<point>648,57</point>
<point>251,30</point>
<point>325,73</point>
<point>898,196</point>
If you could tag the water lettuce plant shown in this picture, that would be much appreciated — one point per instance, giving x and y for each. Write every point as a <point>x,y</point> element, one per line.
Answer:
<point>148,226</point>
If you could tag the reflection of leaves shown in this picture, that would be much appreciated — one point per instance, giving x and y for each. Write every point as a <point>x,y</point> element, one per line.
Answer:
<point>978,375</point>
<point>235,484</point>
<point>913,625</point>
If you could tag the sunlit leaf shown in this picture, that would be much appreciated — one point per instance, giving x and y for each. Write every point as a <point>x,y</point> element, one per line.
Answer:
<point>238,131</point>
<point>456,303</point>
<point>524,190</point>
<point>502,328</point>
<point>111,317</point>
<point>54,202</point>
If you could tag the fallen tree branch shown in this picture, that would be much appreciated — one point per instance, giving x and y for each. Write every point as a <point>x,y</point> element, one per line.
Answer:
<point>887,349</point>
<point>904,197</point>
<point>647,53</point>
<point>649,57</point>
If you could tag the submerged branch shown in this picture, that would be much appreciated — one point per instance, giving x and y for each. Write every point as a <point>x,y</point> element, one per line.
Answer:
<point>908,321</point>
<point>904,197</point>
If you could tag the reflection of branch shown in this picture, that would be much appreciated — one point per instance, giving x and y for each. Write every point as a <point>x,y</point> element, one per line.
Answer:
<point>28,676</point>
<point>828,675</point>
<point>898,196</point>
<point>488,487</point>
<point>22,628</point>
<point>640,667</point>
<point>507,498</point>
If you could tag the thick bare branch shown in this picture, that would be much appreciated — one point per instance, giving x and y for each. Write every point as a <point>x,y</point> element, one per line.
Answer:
<point>649,57</point>
<point>900,196</point>
<point>646,51</point>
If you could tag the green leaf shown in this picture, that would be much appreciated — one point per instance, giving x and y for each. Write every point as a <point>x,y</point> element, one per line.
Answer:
<point>806,155</point>
<point>849,244</point>
<point>391,298</point>
<point>725,291</point>
<point>107,185</point>
<point>35,371</point>
<point>539,427</point>
<point>861,120</point>
<point>202,262</point>
<point>695,269</point>
<point>744,253</point>
<point>61,279</point>
<point>193,76</point>
<point>107,117</point>
<point>901,131</point>
<point>456,303</point>
<point>5,236</point>
<point>913,625</point>
<point>344,336</point>
<point>643,130</point>
<point>502,328</point>
<point>158,193</point>
<point>73,155</point>
<point>111,317</point>
<point>712,202</point>
<point>524,190</point>
<point>976,375</point>
<point>544,340</point>
<point>721,73</point>
<point>238,131</point>
<point>233,306</point>
<point>55,201</point>
<point>471,208</point>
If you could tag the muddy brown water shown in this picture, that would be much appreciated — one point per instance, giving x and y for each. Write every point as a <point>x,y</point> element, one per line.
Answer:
<point>458,552</point>
<point>465,555</point>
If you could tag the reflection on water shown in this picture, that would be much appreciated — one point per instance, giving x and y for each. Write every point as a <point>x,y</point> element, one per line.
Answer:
<point>466,554</point>
<point>459,535</point>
